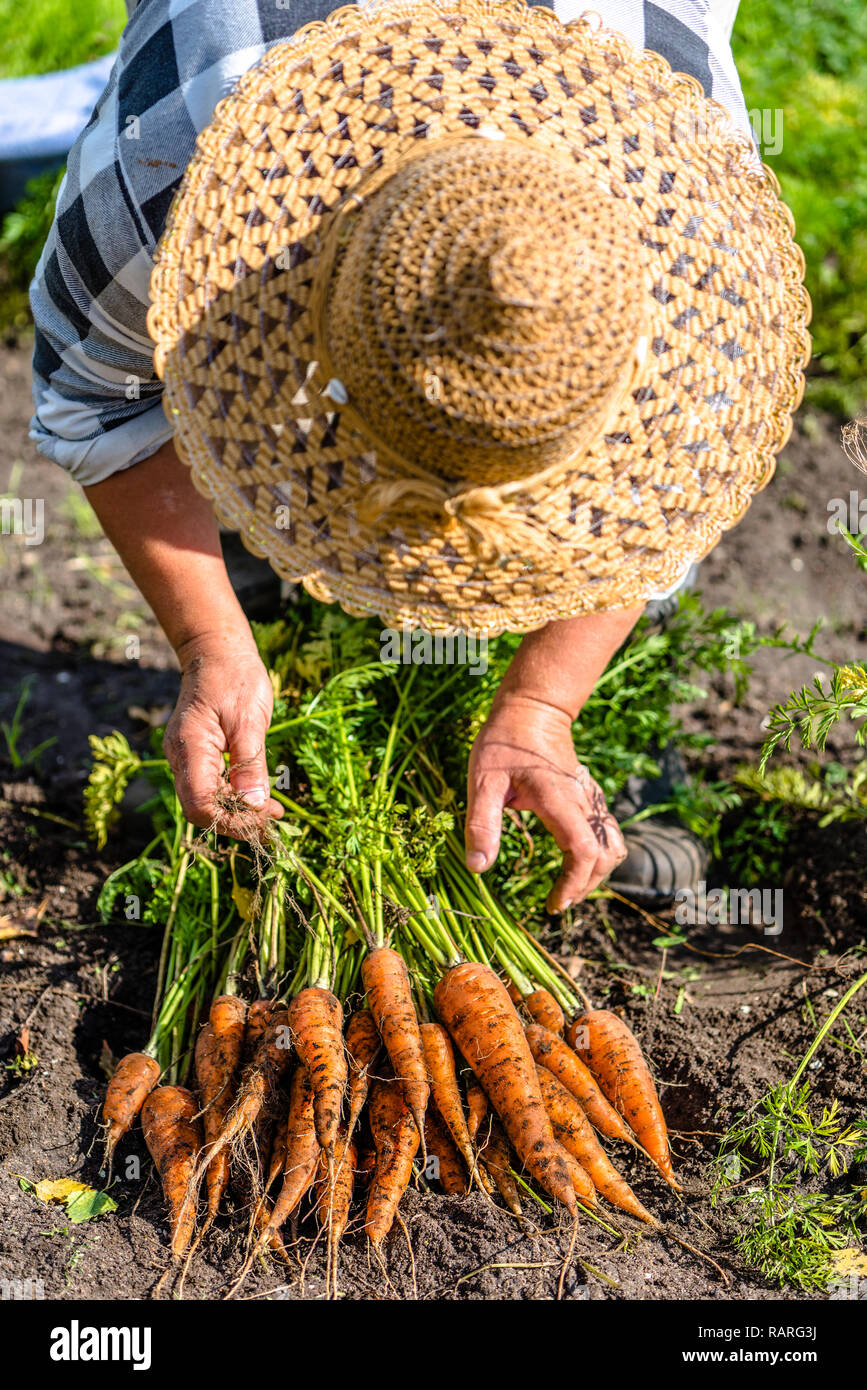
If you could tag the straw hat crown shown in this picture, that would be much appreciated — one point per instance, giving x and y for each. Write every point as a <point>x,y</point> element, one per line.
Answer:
<point>487,312</point>
<point>472,318</point>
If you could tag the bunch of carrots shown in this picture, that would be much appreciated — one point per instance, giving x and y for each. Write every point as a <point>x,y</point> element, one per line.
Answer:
<point>366,1004</point>
<point>294,1102</point>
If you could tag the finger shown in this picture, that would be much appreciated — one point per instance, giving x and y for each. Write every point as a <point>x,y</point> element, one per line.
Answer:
<point>248,767</point>
<point>487,793</point>
<point>571,888</point>
<point>195,756</point>
<point>562,810</point>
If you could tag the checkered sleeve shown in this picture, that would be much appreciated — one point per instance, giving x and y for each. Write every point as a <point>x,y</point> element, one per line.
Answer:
<point>95,394</point>
<point>97,400</point>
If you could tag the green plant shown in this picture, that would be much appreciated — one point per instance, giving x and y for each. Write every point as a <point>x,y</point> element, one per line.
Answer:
<point>22,236</point>
<point>838,793</point>
<point>12,731</point>
<point>49,35</point>
<point>756,842</point>
<point>788,1233</point>
<point>807,61</point>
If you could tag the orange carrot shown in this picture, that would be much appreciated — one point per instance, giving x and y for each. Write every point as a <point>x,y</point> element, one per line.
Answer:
<point>552,1052</point>
<point>496,1159</point>
<point>440,1060</point>
<point>540,1005</point>
<point>477,1106</point>
<point>276,1156</point>
<point>396,1137</point>
<point>450,1173</point>
<point>256,1090</point>
<point>544,1009</point>
<point>316,1019</point>
<point>473,1003</point>
<point>269,1235</point>
<point>134,1078</point>
<point>575,1133</point>
<point>581,1180</point>
<point>302,1147</point>
<point>388,989</point>
<point>613,1054</point>
<point>174,1137</point>
<point>259,1016</point>
<point>333,1199</point>
<point>217,1058</point>
<point>362,1046</point>
<point>478,1126</point>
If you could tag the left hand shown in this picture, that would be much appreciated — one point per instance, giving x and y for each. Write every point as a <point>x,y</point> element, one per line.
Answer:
<point>524,757</point>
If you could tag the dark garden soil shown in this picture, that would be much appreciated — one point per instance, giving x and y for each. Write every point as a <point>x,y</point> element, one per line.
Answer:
<point>743,1015</point>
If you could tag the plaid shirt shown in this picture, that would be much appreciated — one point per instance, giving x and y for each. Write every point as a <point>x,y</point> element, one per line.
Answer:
<point>97,398</point>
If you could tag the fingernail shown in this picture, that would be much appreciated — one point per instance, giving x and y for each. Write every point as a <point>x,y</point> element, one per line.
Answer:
<point>256,796</point>
<point>476,861</point>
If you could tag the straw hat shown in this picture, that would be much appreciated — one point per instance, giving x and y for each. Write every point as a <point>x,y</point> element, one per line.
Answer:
<point>474,319</point>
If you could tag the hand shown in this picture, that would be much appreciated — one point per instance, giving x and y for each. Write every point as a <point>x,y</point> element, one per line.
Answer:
<point>524,757</point>
<point>224,705</point>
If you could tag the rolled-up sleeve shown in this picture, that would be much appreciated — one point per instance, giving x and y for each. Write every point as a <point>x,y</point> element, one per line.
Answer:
<point>96,396</point>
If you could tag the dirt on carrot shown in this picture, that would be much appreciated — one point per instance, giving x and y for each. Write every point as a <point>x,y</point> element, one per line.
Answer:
<point>613,1054</point>
<point>389,994</point>
<point>174,1137</point>
<point>475,1007</point>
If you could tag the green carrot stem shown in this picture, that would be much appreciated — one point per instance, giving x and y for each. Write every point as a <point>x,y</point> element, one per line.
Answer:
<point>829,1022</point>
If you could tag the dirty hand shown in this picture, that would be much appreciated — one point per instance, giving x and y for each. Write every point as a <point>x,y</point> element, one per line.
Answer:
<point>524,757</point>
<point>224,706</point>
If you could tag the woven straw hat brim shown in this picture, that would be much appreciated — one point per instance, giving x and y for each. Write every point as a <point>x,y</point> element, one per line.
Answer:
<point>286,459</point>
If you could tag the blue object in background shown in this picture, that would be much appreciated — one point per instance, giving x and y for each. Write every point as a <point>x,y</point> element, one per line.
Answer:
<point>40,119</point>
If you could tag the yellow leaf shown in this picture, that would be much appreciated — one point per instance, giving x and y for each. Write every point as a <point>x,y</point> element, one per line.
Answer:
<point>850,1260</point>
<point>243,900</point>
<point>58,1189</point>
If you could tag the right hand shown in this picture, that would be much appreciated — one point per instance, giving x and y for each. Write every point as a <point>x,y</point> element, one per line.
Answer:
<point>224,706</point>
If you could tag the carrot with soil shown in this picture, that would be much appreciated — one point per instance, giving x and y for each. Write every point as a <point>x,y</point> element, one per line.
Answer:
<point>135,1077</point>
<point>389,994</point>
<point>217,1058</point>
<point>396,1138</point>
<point>494,1155</point>
<point>174,1137</point>
<point>363,1045</point>
<point>574,1131</point>
<point>475,1007</point>
<point>613,1054</point>
<point>316,1020</point>
<point>450,1172</point>
<point>440,1060</point>
<point>552,1052</point>
<point>302,1148</point>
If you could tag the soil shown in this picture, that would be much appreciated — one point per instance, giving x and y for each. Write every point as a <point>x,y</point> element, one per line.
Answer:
<point>720,1024</point>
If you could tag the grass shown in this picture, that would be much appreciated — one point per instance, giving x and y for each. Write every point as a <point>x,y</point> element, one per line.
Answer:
<point>808,59</point>
<point>49,35</point>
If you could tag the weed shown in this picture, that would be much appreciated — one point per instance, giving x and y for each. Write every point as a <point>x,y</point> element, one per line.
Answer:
<point>13,730</point>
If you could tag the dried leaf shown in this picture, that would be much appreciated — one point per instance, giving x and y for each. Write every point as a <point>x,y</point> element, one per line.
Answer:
<point>849,1260</point>
<point>156,716</point>
<point>107,1061</point>
<point>58,1189</point>
<point>24,922</point>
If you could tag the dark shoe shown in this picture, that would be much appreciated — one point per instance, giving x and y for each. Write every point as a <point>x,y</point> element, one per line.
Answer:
<point>662,859</point>
<point>662,855</point>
